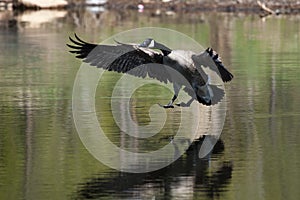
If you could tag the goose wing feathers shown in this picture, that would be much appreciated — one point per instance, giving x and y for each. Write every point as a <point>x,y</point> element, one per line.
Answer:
<point>122,58</point>
<point>210,55</point>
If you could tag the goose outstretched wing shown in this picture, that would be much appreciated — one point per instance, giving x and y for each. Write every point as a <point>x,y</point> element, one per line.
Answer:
<point>122,58</point>
<point>210,58</point>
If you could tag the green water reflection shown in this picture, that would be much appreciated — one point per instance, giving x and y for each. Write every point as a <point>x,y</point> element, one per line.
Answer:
<point>42,157</point>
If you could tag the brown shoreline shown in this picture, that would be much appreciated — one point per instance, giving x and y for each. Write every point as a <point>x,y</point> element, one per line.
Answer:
<point>182,7</point>
<point>232,6</point>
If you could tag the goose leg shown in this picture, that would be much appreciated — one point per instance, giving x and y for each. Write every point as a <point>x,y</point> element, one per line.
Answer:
<point>170,104</point>
<point>176,91</point>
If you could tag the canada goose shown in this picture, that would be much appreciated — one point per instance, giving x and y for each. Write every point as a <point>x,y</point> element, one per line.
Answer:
<point>126,58</point>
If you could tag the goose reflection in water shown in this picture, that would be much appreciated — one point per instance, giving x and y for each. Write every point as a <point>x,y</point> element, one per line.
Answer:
<point>183,178</point>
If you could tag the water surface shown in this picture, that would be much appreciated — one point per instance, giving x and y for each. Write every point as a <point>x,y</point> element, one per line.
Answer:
<point>257,156</point>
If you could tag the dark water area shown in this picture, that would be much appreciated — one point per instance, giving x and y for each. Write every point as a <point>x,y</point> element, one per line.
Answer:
<point>42,156</point>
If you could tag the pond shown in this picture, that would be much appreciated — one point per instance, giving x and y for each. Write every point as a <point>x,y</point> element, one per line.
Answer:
<point>42,156</point>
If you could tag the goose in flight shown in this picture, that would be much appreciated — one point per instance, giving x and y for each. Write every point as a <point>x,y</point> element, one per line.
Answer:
<point>157,61</point>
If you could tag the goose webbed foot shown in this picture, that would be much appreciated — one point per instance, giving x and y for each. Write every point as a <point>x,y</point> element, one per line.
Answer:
<point>166,106</point>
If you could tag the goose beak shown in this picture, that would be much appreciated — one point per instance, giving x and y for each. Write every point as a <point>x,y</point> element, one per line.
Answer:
<point>144,44</point>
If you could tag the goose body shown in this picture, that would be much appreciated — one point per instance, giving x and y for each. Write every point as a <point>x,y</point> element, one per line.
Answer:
<point>126,58</point>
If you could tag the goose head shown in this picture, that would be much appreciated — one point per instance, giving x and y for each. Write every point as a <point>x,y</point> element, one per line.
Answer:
<point>152,44</point>
<point>148,43</point>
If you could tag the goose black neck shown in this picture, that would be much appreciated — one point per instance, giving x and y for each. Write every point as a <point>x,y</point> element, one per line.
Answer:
<point>165,50</point>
